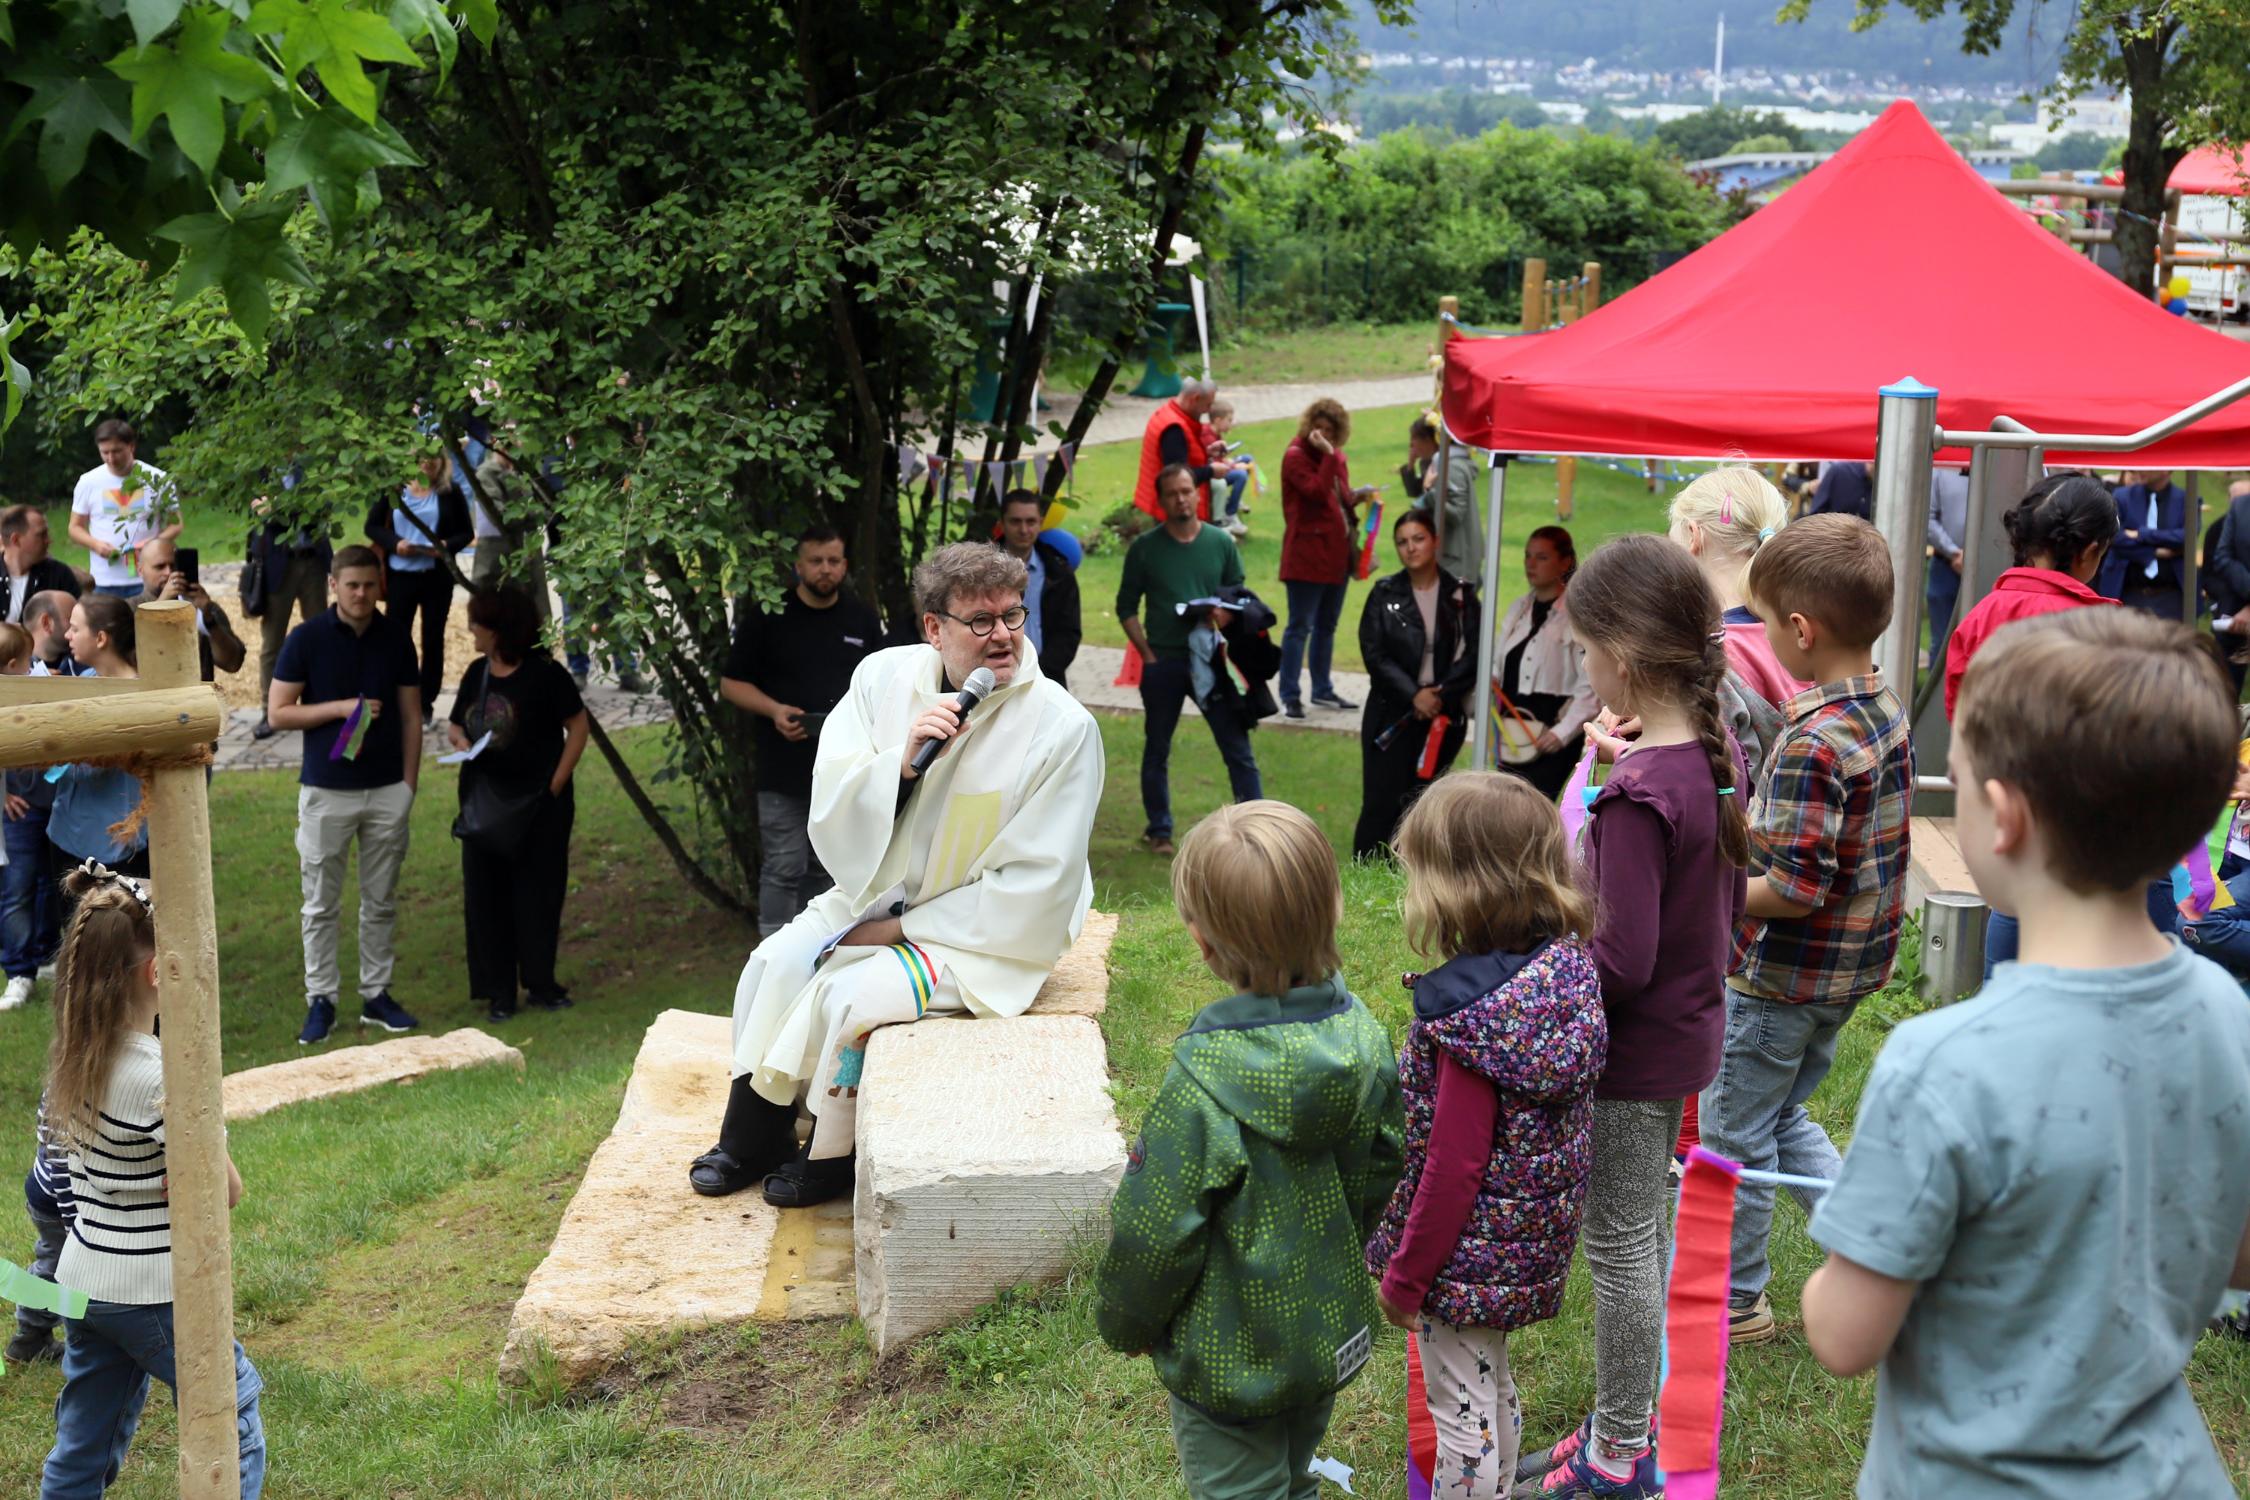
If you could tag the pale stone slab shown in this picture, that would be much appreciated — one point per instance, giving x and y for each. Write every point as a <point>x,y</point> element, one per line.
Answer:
<point>347,1070</point>
<point>987,1148</point>
<point>1079,983</point>
<point>638,1250</point>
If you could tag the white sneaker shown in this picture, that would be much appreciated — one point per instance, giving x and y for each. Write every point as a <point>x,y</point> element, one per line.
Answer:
<point>17,995</point>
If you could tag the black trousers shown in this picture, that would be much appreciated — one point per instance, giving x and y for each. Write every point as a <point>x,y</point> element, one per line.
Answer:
<point>429,595</point>
<point>512,906</point>
<point>1389,783</point>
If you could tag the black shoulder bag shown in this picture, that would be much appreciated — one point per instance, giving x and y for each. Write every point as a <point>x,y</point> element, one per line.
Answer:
<point>492,820</point>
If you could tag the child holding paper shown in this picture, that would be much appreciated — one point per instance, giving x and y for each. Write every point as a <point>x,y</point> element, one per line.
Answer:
<point>1507,1039</point>
<point>91,800</point>
<point>1666,847</point>
<point>105,1102</point>
<point>1234,1254</point>
<point>2045,1195</point>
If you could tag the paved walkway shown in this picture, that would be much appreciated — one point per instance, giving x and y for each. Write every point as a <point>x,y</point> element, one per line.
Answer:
<point>1123,417</point>
<point>239,750</point>
<point>1094,673</point>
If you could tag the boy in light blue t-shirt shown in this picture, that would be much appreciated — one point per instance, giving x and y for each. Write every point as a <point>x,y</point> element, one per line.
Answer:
<point>2046,1196</point>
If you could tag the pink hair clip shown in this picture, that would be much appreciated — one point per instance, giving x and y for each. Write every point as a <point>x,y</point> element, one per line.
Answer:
<point>1726,510</point>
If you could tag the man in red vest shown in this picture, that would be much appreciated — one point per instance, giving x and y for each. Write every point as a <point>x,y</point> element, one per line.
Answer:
<point>1175,436</point>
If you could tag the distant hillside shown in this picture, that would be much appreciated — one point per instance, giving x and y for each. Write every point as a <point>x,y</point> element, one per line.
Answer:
<point>1675,35</point>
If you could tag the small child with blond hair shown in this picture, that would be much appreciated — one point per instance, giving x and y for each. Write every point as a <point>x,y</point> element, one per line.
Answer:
<point>1234,1254</point>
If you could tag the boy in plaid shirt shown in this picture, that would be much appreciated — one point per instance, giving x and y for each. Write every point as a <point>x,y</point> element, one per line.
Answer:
<point>1828,856</point>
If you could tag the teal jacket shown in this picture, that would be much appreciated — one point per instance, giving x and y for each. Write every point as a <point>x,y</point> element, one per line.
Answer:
<point>1236,1234</point>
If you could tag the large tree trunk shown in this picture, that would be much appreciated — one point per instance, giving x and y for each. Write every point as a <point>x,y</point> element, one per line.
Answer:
<point>2148,161</point>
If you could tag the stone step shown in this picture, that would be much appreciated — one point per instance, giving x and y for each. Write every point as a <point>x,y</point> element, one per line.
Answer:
<point>987,1150</point>
<point>347,1070</point>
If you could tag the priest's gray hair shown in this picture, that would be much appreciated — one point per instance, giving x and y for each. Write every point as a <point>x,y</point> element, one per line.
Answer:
<point>966,570</point>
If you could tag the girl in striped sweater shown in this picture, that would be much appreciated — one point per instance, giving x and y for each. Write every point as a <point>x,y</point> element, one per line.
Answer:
<point>105,1103</point>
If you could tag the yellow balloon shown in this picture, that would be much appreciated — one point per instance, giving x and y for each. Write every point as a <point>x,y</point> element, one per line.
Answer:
<point>2179,287</point>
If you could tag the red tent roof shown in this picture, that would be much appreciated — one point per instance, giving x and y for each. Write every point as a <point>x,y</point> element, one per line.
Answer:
<point>2211,169</point>
<point>1891,259</point>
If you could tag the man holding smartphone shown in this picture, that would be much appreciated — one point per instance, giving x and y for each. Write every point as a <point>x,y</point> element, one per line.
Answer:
<point>169,571</point>
<point>790,668</point>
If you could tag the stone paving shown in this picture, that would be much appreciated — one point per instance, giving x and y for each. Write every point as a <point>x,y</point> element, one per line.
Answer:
<point>1124,417</point>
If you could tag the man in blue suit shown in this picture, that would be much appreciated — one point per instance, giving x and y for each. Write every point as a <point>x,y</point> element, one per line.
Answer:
<point>2142,570</point>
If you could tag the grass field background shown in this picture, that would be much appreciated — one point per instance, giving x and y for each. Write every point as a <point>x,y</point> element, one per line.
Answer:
<point>386,1235</point>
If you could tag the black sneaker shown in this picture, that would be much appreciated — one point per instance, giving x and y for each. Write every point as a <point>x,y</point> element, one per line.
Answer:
<point>1330,700</point>
<point>1292,710</point>
<point>387,1013</point>
<point>559,1000</point>
<point>320,1019</point>
<point>265,729</point>
<point>31,1344</point>
<point>499,1010</point>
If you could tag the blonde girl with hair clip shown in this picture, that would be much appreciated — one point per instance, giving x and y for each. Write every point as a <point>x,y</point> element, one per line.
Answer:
<point>1667,846</point>
<point>105,1107</point>
<point>1723,517</point>
<point>1507,1038</point>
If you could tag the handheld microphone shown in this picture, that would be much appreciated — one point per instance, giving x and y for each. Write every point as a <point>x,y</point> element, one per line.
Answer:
<point>979,687</point>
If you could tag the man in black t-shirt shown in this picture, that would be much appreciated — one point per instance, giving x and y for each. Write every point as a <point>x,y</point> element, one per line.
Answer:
<point>790,669</point>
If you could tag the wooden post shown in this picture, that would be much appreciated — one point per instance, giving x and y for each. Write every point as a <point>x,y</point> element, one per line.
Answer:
<point>1566,481</point>
<point>1592,275</point>
<point>1534,315</point>
<point>195,1143</point>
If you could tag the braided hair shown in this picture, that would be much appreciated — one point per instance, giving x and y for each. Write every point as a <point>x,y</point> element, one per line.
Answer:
<point>1644,601</point>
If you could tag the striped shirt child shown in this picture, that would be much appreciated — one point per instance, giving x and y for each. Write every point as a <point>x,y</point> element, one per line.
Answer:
<point>120,1246</point>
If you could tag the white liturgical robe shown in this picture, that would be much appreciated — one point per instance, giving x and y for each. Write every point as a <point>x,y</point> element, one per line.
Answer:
<point>988,857</point>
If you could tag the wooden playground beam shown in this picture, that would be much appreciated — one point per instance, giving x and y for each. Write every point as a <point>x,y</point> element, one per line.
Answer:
<point>169,711</point>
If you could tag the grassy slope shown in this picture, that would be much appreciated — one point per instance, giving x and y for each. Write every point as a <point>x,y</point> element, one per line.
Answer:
<point>1607,504</point>
<point>386,1236</point>
<point>1337,351</point>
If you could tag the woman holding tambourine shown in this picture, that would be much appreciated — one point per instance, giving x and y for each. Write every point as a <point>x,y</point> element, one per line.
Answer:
<point>1541,696</point>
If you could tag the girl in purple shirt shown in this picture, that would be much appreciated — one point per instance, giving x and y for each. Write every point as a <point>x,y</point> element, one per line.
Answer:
<point>1667,845</point>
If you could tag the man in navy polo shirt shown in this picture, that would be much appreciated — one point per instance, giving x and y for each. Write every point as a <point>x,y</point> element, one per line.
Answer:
<point>347,679</point>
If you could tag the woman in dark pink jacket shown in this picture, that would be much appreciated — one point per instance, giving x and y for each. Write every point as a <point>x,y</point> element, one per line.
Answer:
<point>1318,510</point>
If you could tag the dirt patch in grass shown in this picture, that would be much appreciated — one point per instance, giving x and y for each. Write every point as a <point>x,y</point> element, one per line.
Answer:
<point>731,1383</point>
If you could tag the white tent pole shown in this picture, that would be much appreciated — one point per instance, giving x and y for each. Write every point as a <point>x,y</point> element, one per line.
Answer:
<point>1487,623</point>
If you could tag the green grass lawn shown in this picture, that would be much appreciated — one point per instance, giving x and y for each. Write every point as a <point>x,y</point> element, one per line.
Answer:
<point>1606,504</point>
<point>386,1235</point>
<point>1337,351</point>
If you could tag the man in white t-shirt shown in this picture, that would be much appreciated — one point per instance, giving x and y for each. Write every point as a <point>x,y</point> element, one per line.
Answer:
<point>118,505</point>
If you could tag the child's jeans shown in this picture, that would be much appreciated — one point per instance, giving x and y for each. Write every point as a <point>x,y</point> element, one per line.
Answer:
<point>1267,1459</point>
<point>1237,481</point>
<point>1753,1113</point>
<point>107,1362</point>
<point>52,1233</point>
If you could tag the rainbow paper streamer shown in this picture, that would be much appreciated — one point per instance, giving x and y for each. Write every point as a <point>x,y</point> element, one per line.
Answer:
<point>1374,529</point>
<point>353,734</point>
<point>1433,748</point>
<point>1421,1430</point>
<point>26,1290</point>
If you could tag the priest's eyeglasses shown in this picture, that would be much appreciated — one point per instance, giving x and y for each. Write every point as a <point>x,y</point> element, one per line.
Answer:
<point>981,625</point>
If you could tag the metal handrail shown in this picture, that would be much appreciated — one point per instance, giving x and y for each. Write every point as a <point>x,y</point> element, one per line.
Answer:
<point>2020,436</point>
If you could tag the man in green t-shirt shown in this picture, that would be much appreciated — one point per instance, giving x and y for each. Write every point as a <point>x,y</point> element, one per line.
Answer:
<point>1181,560</point>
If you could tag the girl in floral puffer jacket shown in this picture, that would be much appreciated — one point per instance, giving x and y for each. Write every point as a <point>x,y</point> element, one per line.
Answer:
<point>1498,1072</point>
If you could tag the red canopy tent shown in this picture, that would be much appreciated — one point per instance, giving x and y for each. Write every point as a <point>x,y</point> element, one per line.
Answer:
<point>1891,259</point>
<point>2212,169</point>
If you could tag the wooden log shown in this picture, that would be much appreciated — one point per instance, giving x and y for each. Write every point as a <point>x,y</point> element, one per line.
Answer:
<point>2062,187</point>
<point>179,827</point>
<point>159,721</point>
<point>1591,275</point>
<point>1534,316</point>
<point>25,690</point>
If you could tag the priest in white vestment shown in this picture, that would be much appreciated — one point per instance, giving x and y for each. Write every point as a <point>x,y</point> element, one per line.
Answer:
<point>956,889</point>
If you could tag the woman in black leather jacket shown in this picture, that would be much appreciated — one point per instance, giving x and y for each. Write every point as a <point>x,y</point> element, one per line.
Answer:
<point>1418,637</point>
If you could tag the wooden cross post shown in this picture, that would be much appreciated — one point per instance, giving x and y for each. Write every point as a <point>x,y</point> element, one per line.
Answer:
<point>168,712</point>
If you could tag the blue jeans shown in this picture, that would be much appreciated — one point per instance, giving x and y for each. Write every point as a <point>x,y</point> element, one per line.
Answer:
<point>125,591</point>
<point>2000,930</point>
<point>1164,688</point>
<point>1314,609</point>
<point>46,1252</point>
<point>1753,1113</point>
<point>107,1361</point>
<point>1943,592</point>
<point>1237,482</point>
<point>30,906</point>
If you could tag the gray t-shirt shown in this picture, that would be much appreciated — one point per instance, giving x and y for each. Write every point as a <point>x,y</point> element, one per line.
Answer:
<point>2063,1163</point>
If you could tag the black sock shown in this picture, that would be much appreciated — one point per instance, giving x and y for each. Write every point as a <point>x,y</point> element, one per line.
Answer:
<point>755,1126</point>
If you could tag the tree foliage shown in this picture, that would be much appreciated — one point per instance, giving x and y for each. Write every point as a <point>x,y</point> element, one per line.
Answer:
<point>1441,217</point>
<point>2186,64</point>
<point>1719,130</point>
<point>702,269</point>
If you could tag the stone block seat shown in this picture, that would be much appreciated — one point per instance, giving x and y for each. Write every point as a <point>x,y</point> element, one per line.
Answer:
<point>986,1149</point>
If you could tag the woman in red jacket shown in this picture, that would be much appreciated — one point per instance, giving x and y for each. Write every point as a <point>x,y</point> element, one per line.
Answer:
<point>2060,532</point>
<point>1318,510</point>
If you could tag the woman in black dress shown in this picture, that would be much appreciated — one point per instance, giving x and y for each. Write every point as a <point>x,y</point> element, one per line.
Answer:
<point>520,714</point>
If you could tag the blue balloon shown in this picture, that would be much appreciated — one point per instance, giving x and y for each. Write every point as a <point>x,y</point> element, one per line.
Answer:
<point>1067,544</point>
<point>2177,307</point>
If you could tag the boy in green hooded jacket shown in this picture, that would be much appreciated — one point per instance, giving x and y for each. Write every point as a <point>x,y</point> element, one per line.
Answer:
<point>1273,1145</point>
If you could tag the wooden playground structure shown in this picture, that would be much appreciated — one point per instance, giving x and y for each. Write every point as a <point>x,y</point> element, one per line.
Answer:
<point>163,725</point>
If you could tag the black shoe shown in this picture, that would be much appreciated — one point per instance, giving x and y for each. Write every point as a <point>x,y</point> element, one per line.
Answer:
<point>715,1173</point>
<point>387,1013</point>
<point>498,1011</point>
<point>559,1000</point>
<point>1292,710</point>
<point>31,1344</point>
<point>265,729</point>
<point>1330,700</point>
<point>801,1184</point>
